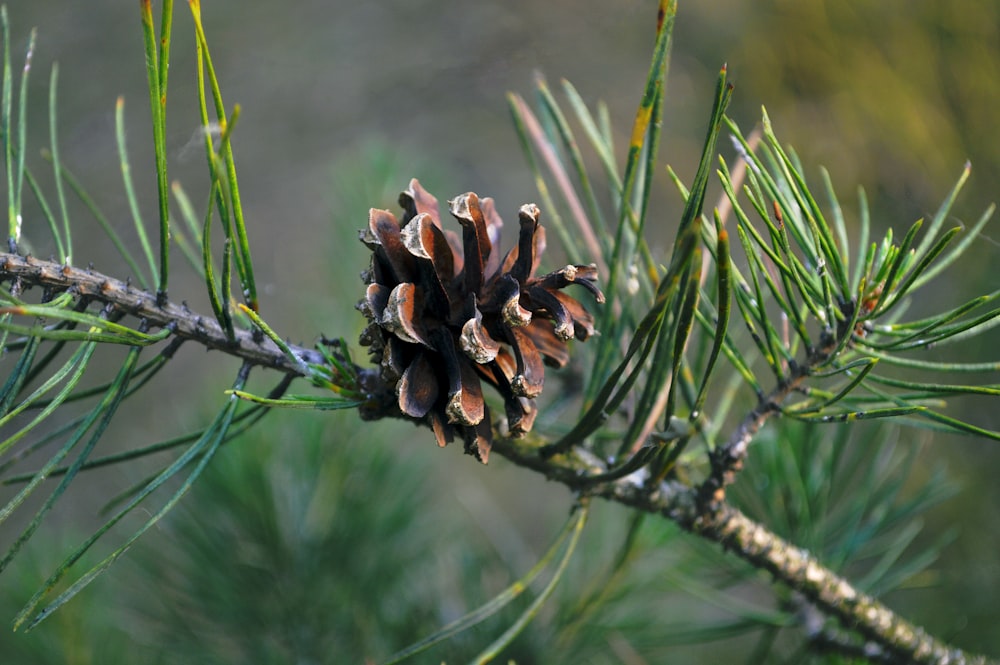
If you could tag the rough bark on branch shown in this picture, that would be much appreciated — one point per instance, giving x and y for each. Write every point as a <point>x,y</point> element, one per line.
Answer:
<point>184,323</point>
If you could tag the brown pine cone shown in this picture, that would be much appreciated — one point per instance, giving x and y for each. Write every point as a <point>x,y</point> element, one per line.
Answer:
<point>447,313</point>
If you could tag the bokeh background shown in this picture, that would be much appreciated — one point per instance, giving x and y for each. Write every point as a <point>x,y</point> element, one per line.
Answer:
<point>342,103</point>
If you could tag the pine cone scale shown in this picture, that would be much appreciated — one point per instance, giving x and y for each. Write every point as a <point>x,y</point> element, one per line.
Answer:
<point>383,232</point>
<point>476,342</point>
<point>417,390</point>
<point>401,314</point>
<point>530,376</point>
<point>475,240</point>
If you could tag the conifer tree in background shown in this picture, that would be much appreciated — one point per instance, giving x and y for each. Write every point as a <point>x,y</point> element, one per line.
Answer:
<point>715,420</point>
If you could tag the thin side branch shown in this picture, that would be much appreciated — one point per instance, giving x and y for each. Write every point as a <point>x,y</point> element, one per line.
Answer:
<point>727,460</point>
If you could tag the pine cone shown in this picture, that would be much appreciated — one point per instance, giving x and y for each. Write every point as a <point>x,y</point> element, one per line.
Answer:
<point>447,313</point>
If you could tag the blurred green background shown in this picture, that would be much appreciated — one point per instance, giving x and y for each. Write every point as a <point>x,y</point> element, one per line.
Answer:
<point>342,103</point>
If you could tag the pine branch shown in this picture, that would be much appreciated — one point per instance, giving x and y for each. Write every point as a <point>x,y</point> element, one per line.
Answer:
<point>251,346</point>
<point>829,639</point>
<point>899,640</point>
<point>578,469</point>
<point>795,264</point>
